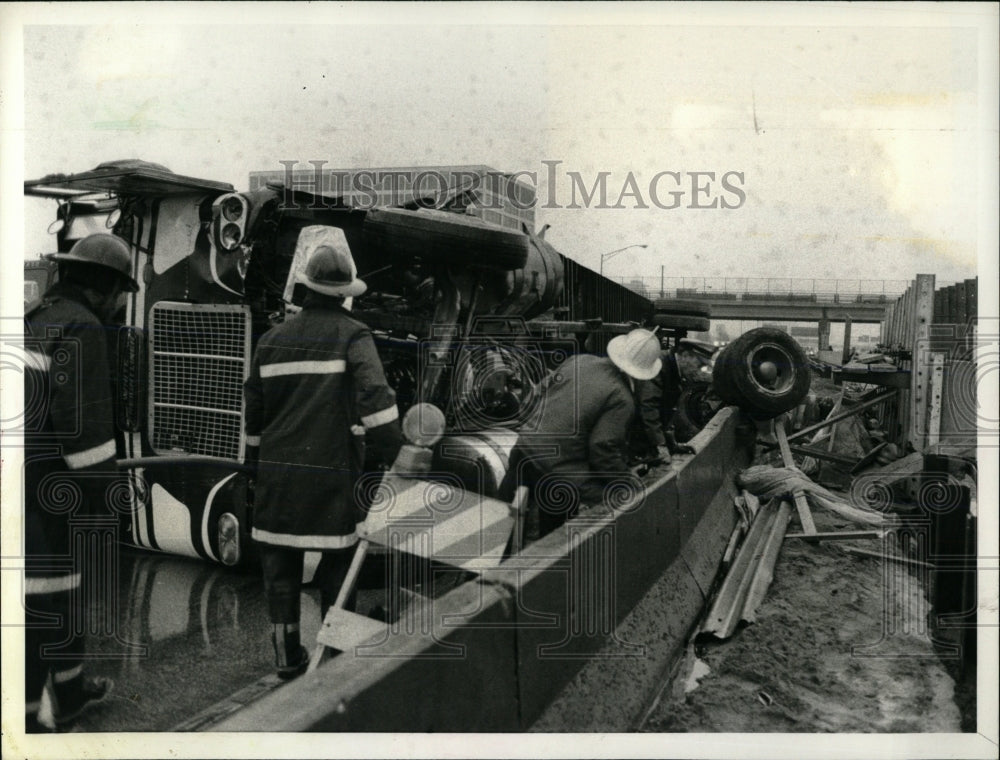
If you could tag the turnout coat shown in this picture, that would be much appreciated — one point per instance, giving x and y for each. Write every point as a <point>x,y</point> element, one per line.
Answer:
<point>579,431</point>
<point>315,395</point>
<point>69,432</point>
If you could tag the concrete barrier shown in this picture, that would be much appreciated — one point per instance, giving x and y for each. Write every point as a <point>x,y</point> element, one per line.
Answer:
<point>501,653</point>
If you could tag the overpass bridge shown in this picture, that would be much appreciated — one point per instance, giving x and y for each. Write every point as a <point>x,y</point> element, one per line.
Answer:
<point>778,299</point>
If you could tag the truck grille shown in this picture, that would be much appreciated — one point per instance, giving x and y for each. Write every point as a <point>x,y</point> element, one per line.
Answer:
<point>199,358</point>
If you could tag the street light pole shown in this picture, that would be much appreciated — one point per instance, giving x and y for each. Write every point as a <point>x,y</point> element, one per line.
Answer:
<point>615,252</point>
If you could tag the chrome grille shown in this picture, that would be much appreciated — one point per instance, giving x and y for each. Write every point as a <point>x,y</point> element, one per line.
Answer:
<point>199,358</point>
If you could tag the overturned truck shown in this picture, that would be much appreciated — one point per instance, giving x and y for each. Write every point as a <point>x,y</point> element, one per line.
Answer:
<point>468,316</point>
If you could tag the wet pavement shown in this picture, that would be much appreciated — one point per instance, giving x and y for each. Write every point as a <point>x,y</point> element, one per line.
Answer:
<point>188,634</point>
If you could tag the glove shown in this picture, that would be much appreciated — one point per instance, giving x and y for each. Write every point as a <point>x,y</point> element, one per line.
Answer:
<point>677,448</point>
<point>663,453</point>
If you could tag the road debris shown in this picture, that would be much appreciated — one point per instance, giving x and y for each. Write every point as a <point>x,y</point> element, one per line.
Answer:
<point>779,482</point>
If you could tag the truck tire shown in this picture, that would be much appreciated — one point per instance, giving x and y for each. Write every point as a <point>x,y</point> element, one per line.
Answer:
<point>680,306</point>
<point>692,412</point>
<point>445,237</point>
<point>682,322</point>
<point>764,372</point>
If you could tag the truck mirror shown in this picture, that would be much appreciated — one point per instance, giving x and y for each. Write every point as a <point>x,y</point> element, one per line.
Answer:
<point>131,363</point>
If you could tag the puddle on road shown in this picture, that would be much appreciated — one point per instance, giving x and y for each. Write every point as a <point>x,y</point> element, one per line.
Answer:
<point>186,634</point>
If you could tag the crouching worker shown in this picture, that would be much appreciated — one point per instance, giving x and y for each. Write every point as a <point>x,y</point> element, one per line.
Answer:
<point>576,444</point>
<point>315,382</point>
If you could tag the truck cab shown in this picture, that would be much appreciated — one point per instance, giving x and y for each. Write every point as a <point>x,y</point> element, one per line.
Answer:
<point>466,314</point>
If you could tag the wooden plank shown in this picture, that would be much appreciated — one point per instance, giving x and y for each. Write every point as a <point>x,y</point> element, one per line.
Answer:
<point>901,324</point>
<point>345,630</point>
<point>846,351</point>
<point>890,319</point>
<point>320,651</point>
<point>959,413</point>
<point>887,556</point>
<point>836,415</point>
<point>911,316</point>
<point>961,304</point>
<point>913,313</point>
<point>801,505</point>
<point>782,436</point>
<point>971,308</point>
<point>972,297</point>
<point>825,455</point>
<point>896,338</point>
<point>904,343</point>
<point>920,326</point>
<point>901,468</point>
<point>905,419</point>
<point>934,396</point>
<point>843,535</point>
<point>904,318</point>
<point>897,308</point>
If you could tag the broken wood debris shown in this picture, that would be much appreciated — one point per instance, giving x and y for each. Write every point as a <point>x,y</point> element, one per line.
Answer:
<point>777,482</point>
<point>842,535</point>
<point>889,557</point>
<point>801,505</point>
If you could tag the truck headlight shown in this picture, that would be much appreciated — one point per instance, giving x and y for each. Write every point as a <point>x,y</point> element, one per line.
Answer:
<point>232,208</point>
<point>230,236</point>
<point>229,538</point>
<point>230,213</point>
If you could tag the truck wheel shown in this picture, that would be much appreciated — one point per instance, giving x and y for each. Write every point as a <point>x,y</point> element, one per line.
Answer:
<point>445,237</point>
<point>682,322</point>
<point>764,372</point>
<point>680,306</point>
<point>692,413</point>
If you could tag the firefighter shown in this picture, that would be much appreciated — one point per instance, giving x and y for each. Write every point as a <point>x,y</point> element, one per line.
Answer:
<point>315,398</point>
<point>576,445</point>
<point>69,464</point>
<point>656,399</point>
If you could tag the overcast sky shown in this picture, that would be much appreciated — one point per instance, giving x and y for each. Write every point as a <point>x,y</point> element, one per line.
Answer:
<point>861,135</point>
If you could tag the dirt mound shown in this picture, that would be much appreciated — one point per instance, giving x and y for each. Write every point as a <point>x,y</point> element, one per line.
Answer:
<point>840,645</point>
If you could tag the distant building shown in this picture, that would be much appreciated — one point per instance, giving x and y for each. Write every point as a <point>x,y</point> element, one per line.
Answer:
<point>637,286</point>
<point>476,190</point>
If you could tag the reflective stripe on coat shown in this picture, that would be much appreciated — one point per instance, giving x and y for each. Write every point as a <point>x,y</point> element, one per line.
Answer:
<point>313,377</point>
<point>69,422</point>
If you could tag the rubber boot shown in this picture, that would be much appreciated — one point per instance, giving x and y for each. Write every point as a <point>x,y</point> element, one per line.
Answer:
<point>290,656</point>
<point>68,695</point>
